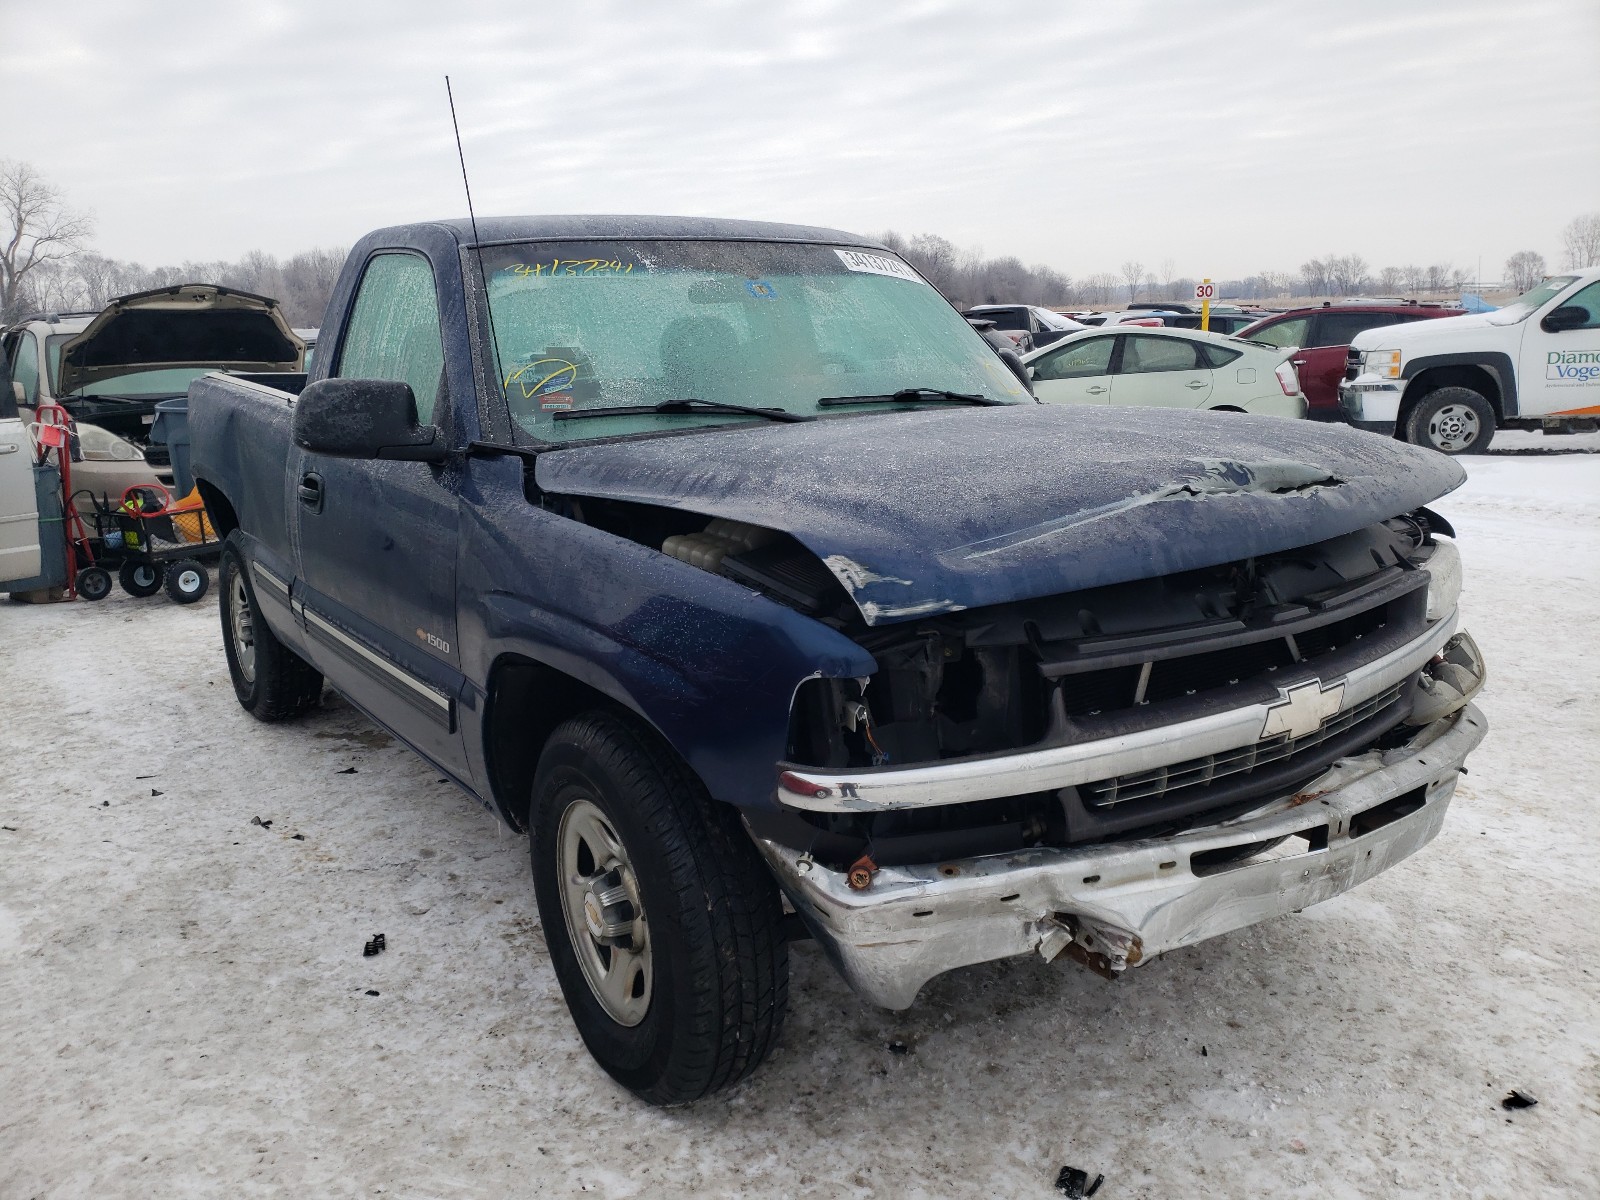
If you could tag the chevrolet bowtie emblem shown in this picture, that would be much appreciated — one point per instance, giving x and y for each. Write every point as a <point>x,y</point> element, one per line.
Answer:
<point>1303,709</point>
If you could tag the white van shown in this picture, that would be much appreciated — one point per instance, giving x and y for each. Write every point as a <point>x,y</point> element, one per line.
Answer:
<point>1450,383</point>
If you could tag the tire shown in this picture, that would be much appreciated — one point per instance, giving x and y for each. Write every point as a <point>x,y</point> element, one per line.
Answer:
<point>693,914</point>
<point>140,578</point>
<point>187,581</point>
<point>94,583</point>
<point>1452,420</point>
<point>272,682</point>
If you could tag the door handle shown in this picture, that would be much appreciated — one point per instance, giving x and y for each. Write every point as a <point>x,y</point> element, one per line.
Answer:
<point>1096,391</point>
<point>9,448</point>
<point>1299,362</point>
<point>1196,383</point>
<point>311,491</point>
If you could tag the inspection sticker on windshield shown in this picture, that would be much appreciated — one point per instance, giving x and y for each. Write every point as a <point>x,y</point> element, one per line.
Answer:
<point>876,264</point>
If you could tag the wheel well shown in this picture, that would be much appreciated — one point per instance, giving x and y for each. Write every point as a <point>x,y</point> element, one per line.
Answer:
<point>527,700</point>
<point>1479,379</point>
<point>223,519</point>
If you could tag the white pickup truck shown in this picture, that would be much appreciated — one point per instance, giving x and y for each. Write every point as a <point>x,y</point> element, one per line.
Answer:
<point>1449,384</point>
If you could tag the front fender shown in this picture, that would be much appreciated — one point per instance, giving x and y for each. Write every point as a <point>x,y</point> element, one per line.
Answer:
<point>708,663</point>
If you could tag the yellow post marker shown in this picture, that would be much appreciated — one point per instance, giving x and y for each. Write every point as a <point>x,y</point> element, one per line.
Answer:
<point>1203,292</point>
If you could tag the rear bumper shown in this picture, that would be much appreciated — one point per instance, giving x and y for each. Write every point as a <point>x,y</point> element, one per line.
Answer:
<point>1113,906</point>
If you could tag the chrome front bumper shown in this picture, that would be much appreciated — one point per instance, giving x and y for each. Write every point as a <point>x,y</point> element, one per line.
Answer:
<point>1115,905</point>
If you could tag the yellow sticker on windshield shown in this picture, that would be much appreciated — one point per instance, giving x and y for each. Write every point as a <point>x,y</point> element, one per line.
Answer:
<point>543,377</point>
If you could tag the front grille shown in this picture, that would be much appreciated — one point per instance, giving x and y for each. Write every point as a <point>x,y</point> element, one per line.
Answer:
<point>1094,692</point>
<point>1352,363</point>
<point>158,454</point>
<point>1162,782</point>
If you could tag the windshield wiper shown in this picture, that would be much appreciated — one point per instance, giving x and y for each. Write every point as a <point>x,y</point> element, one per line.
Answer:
<point>910,394</point>
<point>674,408</point>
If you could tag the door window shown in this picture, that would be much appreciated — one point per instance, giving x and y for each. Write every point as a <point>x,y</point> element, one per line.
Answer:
<point>1587,299</point>
<point>1340,329</point>
<point>25,368</point>
<point>1141,355</point>
<point>1285,333</point>
<point>1081,360</point>
<point>393,332</point>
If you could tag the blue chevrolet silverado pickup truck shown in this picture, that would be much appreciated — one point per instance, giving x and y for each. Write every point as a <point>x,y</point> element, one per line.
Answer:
<point>726,560</point>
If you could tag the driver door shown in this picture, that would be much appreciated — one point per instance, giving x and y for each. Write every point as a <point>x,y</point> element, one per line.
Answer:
<point>1560,372</point>
<point>1077,373</point>
<point>377,540</point>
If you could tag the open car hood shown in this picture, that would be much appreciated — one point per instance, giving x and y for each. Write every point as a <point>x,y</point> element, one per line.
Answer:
<point>937,510</point>
<point>190,325</point>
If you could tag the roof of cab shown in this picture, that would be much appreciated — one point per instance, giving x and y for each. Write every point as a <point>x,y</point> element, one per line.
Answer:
<point>579,226</point>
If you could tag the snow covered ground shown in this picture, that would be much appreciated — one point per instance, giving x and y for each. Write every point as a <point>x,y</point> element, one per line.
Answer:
<point>185,1009</point>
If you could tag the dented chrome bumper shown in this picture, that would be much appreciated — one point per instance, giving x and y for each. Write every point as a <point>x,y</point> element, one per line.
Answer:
<point>1114,905</point>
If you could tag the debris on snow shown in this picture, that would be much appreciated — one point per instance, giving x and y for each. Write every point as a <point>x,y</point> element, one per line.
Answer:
<point>1517,1098</point>
<point>1073,1182</point>
<point>376,946</point>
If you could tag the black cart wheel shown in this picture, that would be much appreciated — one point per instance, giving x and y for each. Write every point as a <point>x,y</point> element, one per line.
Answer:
<point>272,682</point>
<point>140,578</point>
<point>187,581</point>
<point>94,583</point>
<point>663,924</point>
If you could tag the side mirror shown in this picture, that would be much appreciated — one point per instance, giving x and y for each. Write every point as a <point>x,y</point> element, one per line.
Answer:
<point>1568,316</point>
<point>364,418</point>
<point>1018,368</point>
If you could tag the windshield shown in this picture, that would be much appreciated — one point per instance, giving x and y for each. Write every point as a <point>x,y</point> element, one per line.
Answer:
<point>1530,302</point>
<point>161,381</point>
<point>616,324</point>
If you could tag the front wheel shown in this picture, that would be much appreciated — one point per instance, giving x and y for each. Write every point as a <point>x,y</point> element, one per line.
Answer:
<point>664,926</point>
<point>1452,420</point>
<point>93,583</point>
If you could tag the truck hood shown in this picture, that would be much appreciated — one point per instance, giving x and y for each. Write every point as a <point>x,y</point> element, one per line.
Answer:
<point>939,510</point>
<point>1440,331</point>
<point>190,325</point>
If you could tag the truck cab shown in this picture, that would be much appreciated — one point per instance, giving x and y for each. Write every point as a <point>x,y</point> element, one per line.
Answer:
<point>1449,384</point>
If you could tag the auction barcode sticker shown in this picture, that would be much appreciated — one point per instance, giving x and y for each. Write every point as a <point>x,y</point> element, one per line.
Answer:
<point>877,264</point>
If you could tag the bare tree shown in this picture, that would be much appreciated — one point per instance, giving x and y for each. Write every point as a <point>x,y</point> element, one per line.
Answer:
<point>36,228</point>
<point>1316,278</point>
<point>1169,272</point>
<point>1132,273</point>
<point>1438,277</point>
<point>1581,239</point>
<point>1524,269</point>
<point>1391,280</point>
<point>1413,276</point>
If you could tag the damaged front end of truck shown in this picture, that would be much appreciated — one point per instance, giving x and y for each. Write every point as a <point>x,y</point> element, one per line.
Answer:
<point>1116,711</point>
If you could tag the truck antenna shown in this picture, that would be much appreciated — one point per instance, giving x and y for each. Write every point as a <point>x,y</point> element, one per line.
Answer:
<point>461,154</point>
<point>477,245</point>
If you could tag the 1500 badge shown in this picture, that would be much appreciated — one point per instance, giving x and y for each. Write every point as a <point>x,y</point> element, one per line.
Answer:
<point>438,643</point>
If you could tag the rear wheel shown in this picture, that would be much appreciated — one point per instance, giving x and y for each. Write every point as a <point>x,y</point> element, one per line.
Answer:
<point>272,682</point>
<point>187,581</point>
<point>1452,420</point>
<point>664,926</point>
<point>140,578</point>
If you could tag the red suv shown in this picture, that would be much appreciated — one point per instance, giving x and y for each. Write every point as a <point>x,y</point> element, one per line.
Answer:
<point>1323,334</point>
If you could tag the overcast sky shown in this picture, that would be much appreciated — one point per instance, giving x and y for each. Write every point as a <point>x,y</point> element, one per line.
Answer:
<point>1230,139</point>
